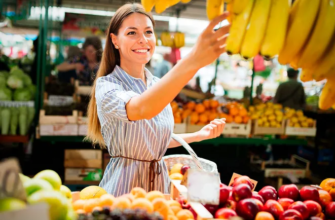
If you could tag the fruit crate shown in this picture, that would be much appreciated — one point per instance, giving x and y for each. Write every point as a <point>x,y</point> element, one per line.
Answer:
<point>82,90</point>
<point>180,128</point>
<point>58,100</point>
<point>268,130</point>
<point>83,159</point>
<point>82,124</point>
<point>296,166</point>
<point>232,129</point>
<point>57,125</point>
<point>294,131</point>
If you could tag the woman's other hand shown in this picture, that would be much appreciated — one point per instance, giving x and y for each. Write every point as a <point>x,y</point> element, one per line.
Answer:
<point>210,44</point>
<point>212,130</point>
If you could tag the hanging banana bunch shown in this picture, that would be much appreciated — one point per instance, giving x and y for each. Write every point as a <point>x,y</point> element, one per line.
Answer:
<point>167,39</point>
<point>214,8</point>
<point>179,40</point>
<point>160,5</point>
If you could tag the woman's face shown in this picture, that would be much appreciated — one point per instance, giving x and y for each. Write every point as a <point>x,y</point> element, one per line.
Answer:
<point>90,53</point>
<point>136,39</point>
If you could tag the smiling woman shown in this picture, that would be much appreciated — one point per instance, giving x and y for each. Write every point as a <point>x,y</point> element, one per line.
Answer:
<point>130,112</point>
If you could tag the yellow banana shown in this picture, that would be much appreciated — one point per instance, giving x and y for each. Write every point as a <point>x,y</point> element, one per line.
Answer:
<point>228,1</point>
<point>172,2</point>
<point>238,29</point>
<point>327,97</point>
<point>306,75</point>
<point>148,4</point>
<point>256,29</point>
<point>176,39</point>
<point>229,8</point>
<point>293,12</point>
<point>294,62</point>
<point>322,34</point>
<point>239,6</point>
<point>276,28</point>
<point>183,40</point>
<point>185,1</point>
<point>299,30</point>
<point>161,6</point>
<point>214,8</point>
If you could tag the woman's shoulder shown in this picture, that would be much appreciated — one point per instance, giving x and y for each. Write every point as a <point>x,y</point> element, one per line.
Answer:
<point>108,79</point>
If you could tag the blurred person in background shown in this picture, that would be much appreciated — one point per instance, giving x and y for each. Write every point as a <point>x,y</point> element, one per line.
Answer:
<point>87,66</point>
<point>291,93</point>
<point>74,54</point>
<point>163,67</point>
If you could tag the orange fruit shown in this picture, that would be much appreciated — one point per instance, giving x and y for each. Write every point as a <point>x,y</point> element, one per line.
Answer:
<point>173,203</point>
<point>80,211</point>
<point>176,176</point>
<point>175,209</point>
<point>222,115</point>
<point>238,119</point>
<point>184,215</point>
<point>162,207</point>
<point>214,103</point>
<point>121,203</point>
<point>329,186</point>
<point>206,103</point>
<point>79,204</point>
<point>138,192</point>
<point>233,111</point>
<point>142,203</point>
<point>229,119</point>
<point>177,120</point>
<point>213,116</point>
<point>106,200</point>
<point>172,217</point>
<point>190,105</point>
<point>245,119</point>
<point>90,205</point>
<point>194,118</point>
<point>174,106</point>
<point>186,113</point>
<point>243,112</point>
<point>129,197</point>
<point>200,108</point>
<point>177,114</point>
<point>180,110</point>
<point>176,168</point>
<point>203,118</point>
<point>153,195</point>
<point>91,192</point>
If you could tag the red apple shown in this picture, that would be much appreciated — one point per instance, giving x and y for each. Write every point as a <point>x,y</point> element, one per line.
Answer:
<point>267,193</point>
<point>224,194</point>
<point>290,191</point>
<point>291,214</point>
<point>330,210</point>
<point>300,207</point>
<point>309,193</point>
<point>313,207</point>
<point>183,202</point>
<point>193,212</point>
<point>229,204</point>
<point>264,216</point>
<point>243,179</point>
<point>324,198</point>
<point>211,208</point>
<point>273,207</point>
<point>285,202</point>
<point>255,195</point>
<point>184,169</point>
<point>225,213</point>
<point>247,209</point>
<point>259,203</point>
<point>241,191</point>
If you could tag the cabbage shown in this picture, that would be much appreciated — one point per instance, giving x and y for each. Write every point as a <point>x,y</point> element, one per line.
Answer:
<point>22,95</point>
<point>5,94</point>
<point>32,90</point>
<point>16,71</point>
<point>15,82</point>
<point>2,81</point>
<point>26,80</point>
<point>4,74</point>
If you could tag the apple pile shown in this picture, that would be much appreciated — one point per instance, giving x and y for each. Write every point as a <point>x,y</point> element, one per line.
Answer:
<point>288,203</point>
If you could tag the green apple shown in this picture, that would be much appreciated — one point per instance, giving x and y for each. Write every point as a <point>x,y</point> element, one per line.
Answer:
<point>66,191</point>
<point>10,204</point>
<point>23,178</point>
<point>51,176</point>
<point>33,185</point>
<point>57,202</point>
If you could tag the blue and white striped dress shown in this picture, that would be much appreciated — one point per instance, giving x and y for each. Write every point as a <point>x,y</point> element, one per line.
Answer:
<point>142,140</point>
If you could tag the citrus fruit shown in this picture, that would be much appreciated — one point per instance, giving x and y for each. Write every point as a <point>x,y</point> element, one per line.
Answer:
<point>162,207</point>
<point>142,203</point>
<point>90,205</point>
<point>79,204</point>
<point>138,192</point>
<point>106,200</point>
<point>153,195</point>
<point>91,192</point>
<point>121,203</point>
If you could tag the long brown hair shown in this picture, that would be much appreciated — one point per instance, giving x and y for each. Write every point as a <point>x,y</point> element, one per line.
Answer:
<point>110,58</point>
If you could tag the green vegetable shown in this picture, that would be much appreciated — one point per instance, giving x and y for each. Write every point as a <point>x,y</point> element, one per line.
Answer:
<point>15,82</point>
<point>26,80</point>
<point>0,118</point>
<point>16,71</point>
<point>32,89</point>
<point>23,119</point>
<point>4,74</point>
<point>31,114</point>
<point>14,120</point>
<point>5,94</point>
<point>5,115</point>
<point>3,81</point>
<point>22,95</point>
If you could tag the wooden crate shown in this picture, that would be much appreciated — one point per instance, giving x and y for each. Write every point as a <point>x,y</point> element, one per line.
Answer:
<point>57,125</point>
<point>300,131</point>
<point>233,129</point>
<point>58,119</point>
<point>82,90</point>
<point>79,174</point>
<point>46,98</point>
<point>82,124</point>
<point>268,130</point>
<point>179,128</point>
<point>83,158</point>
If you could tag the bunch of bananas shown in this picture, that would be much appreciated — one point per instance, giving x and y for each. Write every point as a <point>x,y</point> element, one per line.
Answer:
<point>160,5</point>
<point>179,40</point>
<point>167,39</point>
<point>176,40</point>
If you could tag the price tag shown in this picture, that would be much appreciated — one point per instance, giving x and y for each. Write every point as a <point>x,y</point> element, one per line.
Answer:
<point>203,187</point>
<point>235,175</point>
<point>10,182</point>
<point>58,100</point>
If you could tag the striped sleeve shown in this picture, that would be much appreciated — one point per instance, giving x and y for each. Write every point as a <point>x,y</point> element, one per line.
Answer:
<point>112,98</point>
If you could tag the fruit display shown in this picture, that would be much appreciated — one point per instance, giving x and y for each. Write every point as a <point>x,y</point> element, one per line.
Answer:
<point>235,113</point>
<point>267,115</point>
<point>297,119</point>
<point>177,171</point>
<point>174,40</point>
